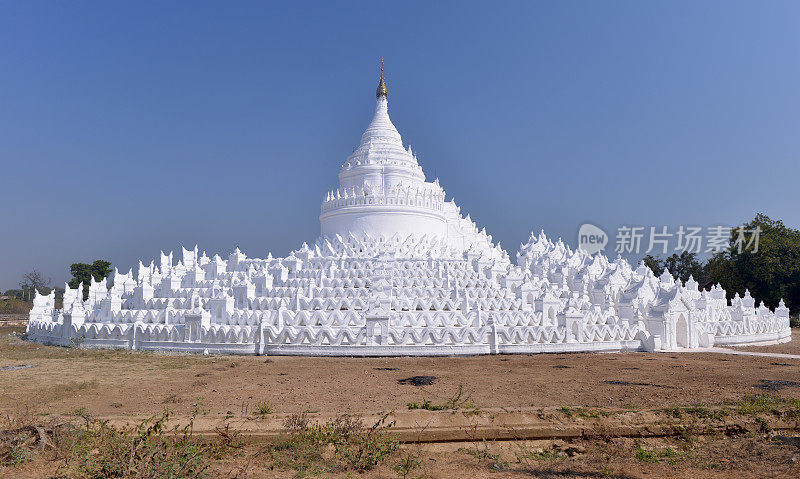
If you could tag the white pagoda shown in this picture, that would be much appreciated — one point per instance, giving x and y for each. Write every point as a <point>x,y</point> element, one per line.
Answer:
<point>398,270</point>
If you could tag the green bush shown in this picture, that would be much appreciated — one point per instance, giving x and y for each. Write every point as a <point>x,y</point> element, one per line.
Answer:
<point>354,446</point>
<point>151,450</point>
<point>263,408</point>
<point>427,405</point>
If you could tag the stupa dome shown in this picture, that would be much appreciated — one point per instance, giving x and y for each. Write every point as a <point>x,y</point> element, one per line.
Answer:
<point>382,190</point>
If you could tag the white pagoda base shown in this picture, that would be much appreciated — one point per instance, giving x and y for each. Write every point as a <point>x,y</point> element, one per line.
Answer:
<point>398,271</point>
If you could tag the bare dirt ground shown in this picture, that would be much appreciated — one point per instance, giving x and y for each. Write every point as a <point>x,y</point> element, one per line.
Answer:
<point>792,347</point>
<point>127,386</point>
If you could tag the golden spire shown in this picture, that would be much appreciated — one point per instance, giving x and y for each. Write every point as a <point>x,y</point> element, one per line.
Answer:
<point>381,85</point>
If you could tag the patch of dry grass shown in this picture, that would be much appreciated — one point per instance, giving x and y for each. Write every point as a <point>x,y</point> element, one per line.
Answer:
<point>87,447</point>
<point>338,445</point>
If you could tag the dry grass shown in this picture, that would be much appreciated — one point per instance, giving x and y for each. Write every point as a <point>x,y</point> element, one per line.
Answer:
<point>85,447</point>
<point>338,445</point>
<point>15,306</point>
<point>82,446</point>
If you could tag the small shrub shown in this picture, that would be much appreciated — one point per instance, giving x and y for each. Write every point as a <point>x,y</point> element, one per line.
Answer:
<point>354,445</point>
<point>582,412</point>
<point>91,448</point>
<point>458,401</point>
<point>298,452</point>
<point>80,412</point>
<point>481,453</point>
<point>427,405</point>
<point>263,408</point>
<point>687,434</point>
<point>758,405</point>
<point>544,455</point>
<point>21,437</point>
<point>14,455</point>
<point>296,422</point>
<point>408,464</point>
<point>566,411</point>
<point>673,411</point>
<point>150,449</point>
<point>226,442</point>
<point>366,448</point>
<point>644,455</point>
<point>763,425</point>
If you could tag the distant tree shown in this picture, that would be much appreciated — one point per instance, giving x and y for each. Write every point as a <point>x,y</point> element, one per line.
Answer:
<point>680,266</point>
<point>684,265</point>
<point>720,270</point>
<point>101,269</point>
<point>14,293</point>
<point>770,273</point>
<point>59,296</point>
<point>83,273</point>
<point>34,280</point>
<point>655,264</point>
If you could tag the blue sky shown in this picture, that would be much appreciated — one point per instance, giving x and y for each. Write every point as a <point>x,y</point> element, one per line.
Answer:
<point>126,128</point>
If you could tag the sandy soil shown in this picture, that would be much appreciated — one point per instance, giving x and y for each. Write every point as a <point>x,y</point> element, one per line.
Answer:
<point>118,383</point>
<point>123,384</point>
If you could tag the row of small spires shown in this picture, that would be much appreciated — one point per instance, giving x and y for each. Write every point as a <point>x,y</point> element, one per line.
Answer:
<point>167,265</point>
<point>166,259</point>
<point>739,301</point>
<point>240,255</point>
<point>397,191</point>
<point>356,161</point>
<point>369,146</point>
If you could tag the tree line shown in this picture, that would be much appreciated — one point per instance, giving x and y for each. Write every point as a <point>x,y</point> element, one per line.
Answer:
<point>34,280</point>
<point>770,273</point>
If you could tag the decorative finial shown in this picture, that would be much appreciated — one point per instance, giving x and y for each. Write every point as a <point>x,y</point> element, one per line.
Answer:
<point>381,85</point>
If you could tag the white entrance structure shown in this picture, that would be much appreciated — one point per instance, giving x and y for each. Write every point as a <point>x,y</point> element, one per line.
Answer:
<point>398,270</point>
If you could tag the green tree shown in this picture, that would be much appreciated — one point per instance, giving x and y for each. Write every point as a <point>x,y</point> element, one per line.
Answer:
<point>684,265</point>
<point>679,265</point>
<point>101,269</point>
<point>770,273</point>
<point>14,293</point>
<point>655,264</point>
<point>83,273</point>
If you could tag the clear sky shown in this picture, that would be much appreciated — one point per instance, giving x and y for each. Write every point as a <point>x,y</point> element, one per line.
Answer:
<point>126,128</point>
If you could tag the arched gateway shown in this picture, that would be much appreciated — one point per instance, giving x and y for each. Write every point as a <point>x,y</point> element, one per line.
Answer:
<point>397,270</point>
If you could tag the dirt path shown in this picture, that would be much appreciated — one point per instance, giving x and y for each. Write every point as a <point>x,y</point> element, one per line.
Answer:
<point>754,353</point>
